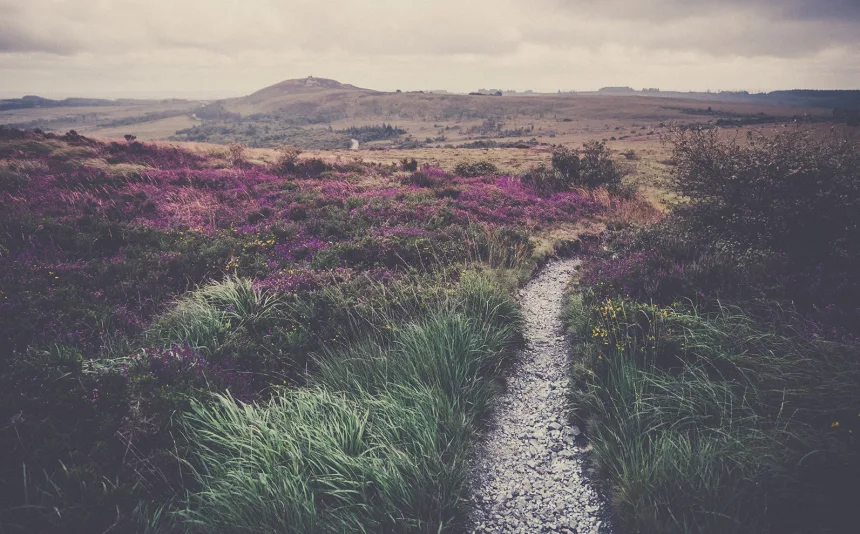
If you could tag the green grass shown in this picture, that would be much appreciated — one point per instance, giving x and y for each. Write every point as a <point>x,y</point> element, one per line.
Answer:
<point>206,317</point>
<point>378,442</point>
<point>714,422</point>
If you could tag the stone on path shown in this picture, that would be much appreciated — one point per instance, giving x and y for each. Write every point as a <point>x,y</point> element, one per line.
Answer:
<point>527,476</point>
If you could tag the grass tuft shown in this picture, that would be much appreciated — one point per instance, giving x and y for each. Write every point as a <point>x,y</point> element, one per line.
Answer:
<point>378,442</point>
<point>709,422</point>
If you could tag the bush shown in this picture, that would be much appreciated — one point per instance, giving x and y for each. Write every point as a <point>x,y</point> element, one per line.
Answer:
<point>563,176</point>
<point>409,165</point>
<point>597,168</point>
<point>594,168</point>
<point>545,181</point>
<point>796,193</point>
<point>311,168</point>
<point>287,159</point>
<point>236,154</point>
<point>475,168</point>
<point>566,162</point>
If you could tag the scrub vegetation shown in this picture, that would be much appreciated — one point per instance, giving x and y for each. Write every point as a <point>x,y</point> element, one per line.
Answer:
<point>719,365</point>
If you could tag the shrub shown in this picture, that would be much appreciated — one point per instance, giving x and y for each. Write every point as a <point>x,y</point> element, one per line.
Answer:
<point>795,193</point>
<point>566,162</point>
<point>597,168</point>
<point>236,154</point>
<point>423,179</point>
<point>286,160</point>
<point>475,168</point>
<point>310,168</point>
<point>543,180</point>
<point>594,168</point>
<point>772,218</point>
<point>409,165</point>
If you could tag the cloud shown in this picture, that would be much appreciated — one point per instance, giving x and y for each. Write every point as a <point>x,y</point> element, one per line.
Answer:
<point>159,42</point>
<point>17,35</point>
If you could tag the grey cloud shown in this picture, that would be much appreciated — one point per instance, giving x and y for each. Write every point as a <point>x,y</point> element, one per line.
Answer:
<point>434,43</point>
<point>749,28</point>
<point>18,40</point>
<point>663,10</point>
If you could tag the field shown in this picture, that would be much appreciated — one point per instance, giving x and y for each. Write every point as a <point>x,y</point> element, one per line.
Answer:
<point>137,279</point>
<point>251,324</point>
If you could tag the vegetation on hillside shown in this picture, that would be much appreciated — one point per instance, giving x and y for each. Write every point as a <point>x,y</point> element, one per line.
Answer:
<point>366,134</point>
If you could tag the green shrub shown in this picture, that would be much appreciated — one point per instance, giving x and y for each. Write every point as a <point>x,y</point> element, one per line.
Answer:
<point>795,193</point>
<point>597,168</point>
<point>286,161</point>
<point>475,168</point>
<point>591,167</point>
<point>409,165</point>
<point>545,181</point>
<point>566,162</point>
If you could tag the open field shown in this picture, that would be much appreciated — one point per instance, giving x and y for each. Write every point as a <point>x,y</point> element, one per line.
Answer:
<point>215,313</point>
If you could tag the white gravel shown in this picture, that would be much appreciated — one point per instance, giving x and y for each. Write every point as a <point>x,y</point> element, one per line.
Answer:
<point>527,475</point>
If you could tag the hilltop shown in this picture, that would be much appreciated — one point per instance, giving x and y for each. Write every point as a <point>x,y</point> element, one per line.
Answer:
<point>306,85</point>
<point>288,92</point>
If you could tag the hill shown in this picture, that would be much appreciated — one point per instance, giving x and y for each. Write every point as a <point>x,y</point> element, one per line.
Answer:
<point>290,92</point>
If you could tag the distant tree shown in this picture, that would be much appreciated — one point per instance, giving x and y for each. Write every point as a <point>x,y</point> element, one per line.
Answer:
<point>130,138</point>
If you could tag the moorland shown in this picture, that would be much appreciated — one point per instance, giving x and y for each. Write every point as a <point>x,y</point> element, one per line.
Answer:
<point>224,316</point>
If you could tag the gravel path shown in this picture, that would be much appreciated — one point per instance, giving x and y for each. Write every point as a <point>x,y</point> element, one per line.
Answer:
<point>528,471</point>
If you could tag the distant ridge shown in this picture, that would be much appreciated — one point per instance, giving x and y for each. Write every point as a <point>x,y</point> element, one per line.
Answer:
<point>32,101</point>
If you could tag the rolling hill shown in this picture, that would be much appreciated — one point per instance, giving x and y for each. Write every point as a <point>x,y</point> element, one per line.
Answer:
<point>299,94</point>
<point>318,113</point>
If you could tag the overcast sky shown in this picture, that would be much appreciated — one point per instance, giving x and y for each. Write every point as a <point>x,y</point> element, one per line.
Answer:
<point>209,48</point>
